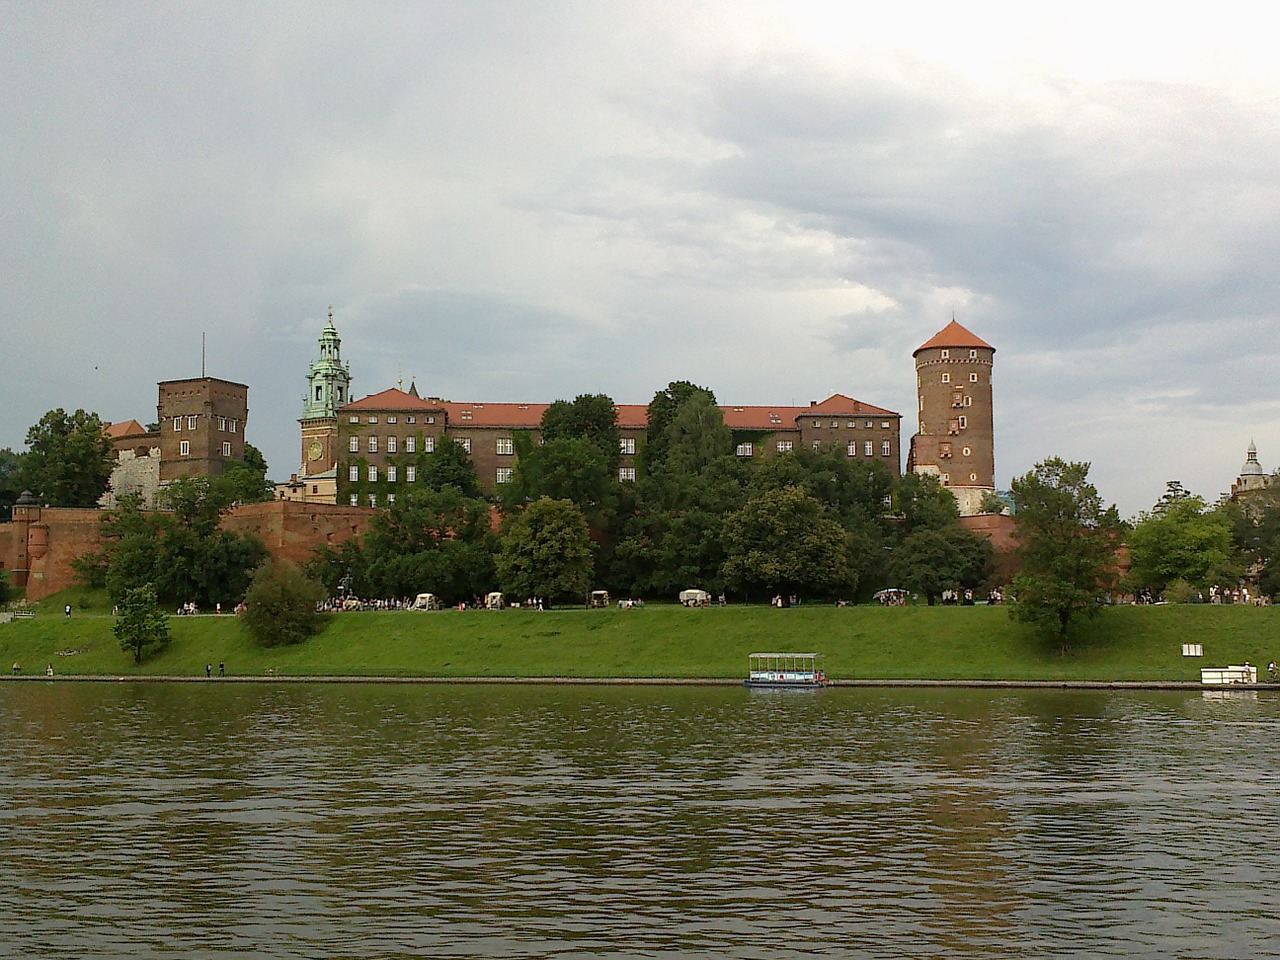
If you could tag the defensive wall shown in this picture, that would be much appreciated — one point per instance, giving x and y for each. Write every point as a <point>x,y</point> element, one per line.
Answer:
<point>39,543</point>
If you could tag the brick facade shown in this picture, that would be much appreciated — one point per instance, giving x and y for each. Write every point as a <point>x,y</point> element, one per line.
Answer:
<point>202,425</point>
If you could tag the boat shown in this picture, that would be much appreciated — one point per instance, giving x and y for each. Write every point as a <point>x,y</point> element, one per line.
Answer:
<point>785,671</point>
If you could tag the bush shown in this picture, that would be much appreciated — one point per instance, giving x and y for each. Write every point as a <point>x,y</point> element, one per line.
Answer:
<point>1179,591</point>
<point>280,607</point>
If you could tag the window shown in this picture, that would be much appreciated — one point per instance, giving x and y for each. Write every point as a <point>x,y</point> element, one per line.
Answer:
<point>964,422</point>
<point>465,443</point>
<point>504,475</point>
<point>222,422</point>
<point>391,474</point>
<point>784,446</point>
<point>373,499</point>
<point>628,446</point>
<point>431,419</point>
<point>354,445</point>
<point>177,424</point>
<point>852,448</point>
<point>968,401</point>
<point>226,448</point>
<point>355,500</point>
<point>391,498</point>
<point>373,474</point>
<point>966,451</point>
<point>191,423</point>
<point>746,450</point>
<point>850,424</point>
<point>834,424</point>
<point>410,419</point>
<point>946,354</point>
<point>946,478</point>
<point>339,394</point>
<point>373,444</point>
<point>627,474</point>
<point>411,473</point>
<point>944,451</point>
<point>353,474</point>
<point>946,378</point>
<point>867,424</point>
<point>411,444</point>
<point>373,420</point>
<point>973,378</point>
<point>391,444</point>
<point>232,425</point>
<point>973,354</point>
<point>184,448</point>
<point>506,446</point>
<point>355,420</point>
<point>973,477</point>
<point>817,424</point>
<point>429,444</point>
<point>391,419</point>
<point>868,448</point>
<point>886,448</point>
<point>884,424</point>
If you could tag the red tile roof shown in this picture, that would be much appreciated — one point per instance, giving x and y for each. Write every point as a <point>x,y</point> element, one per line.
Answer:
<point>630,415</point>
<point>954,335</point>
<point>125,428</point>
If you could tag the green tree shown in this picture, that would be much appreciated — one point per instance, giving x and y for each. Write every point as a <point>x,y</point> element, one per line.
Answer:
<point>545,552</point>
<point>930,561</point>
<point>436,541</point>
<point>781,542</point>
<point>696,436</point>
<point>1182,538</point>
<point>1255,534</point>
<point>280,605</point>
<point>571,468</point>
<point>6,589</point>
<point>590,416</point>
<point>662,410</point>
<point>1067,544</point>
<point>68,461</point>
<point>140,627</point>
<point>10,481</point>
<point>923,503</point>
<point>449,465</point>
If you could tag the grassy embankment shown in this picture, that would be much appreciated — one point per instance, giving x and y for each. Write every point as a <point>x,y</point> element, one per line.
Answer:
<point>973,643</point>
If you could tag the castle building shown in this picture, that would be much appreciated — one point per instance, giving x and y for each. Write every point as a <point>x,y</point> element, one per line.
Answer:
<point>199,427</point>
<point>956,439</point>
<point>366,452</point>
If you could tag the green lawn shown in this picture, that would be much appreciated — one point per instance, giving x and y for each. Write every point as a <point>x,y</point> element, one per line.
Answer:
<point>963,643</point>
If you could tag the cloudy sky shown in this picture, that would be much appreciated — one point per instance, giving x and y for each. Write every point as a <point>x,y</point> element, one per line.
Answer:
<point>528,201</point>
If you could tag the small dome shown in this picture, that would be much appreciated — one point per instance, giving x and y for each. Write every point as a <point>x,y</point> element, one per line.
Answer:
<point>1252,468</point>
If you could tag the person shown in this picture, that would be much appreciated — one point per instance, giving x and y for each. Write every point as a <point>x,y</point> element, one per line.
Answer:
<point>222,669</point>
<point>48,671</point>
<point>1273,672</point>
<point>16,669</point>
<point>208,670</point>
<point>67,611</point>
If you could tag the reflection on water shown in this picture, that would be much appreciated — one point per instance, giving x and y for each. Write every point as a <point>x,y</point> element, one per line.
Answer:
<point>390,821</point>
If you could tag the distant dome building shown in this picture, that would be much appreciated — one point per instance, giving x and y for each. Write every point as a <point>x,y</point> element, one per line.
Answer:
<point>1252,477</point>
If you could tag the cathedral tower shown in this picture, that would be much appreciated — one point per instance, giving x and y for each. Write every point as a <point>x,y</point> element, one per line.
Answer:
<point>956,442</point>
<point>328,388</point>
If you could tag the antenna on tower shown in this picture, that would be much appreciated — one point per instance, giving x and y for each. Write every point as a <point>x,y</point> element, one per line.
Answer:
<point>202,336</point>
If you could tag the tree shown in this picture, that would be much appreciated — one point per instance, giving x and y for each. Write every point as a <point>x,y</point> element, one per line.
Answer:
<point>436,541</point>
<point>449,465</point>
<point>545,552</point>
<point>140,627</point>
<point>10,481</point>
<point>780,542</point>
<point>68,461</point>
<point>6,590</point>
<point>696,436</point>
<point>571,468</point>
<point>280,605</point>
<point>662,410</point>
<point>1255,534</point>
<point>592,417</point>
<point>923,503</point>
<point>1182,538</point>
<point>1067,544</point>
<point>930,561</point>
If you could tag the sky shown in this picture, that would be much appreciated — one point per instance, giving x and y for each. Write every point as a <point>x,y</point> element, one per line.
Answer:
<point>531,201</point>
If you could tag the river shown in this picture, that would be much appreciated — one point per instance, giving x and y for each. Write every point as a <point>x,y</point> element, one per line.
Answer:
<point>387,821</point>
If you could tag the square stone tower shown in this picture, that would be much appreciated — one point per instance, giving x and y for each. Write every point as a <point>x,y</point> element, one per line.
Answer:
<point>201,426</point>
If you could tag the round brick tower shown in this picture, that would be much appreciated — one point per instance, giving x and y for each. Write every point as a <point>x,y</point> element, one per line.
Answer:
<point>956,442</point>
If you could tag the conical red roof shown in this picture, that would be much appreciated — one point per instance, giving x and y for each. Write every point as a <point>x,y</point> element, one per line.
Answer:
<point>954,335</point>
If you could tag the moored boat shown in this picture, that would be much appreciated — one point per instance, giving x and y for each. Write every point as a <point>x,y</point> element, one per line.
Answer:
<point>770,671</point>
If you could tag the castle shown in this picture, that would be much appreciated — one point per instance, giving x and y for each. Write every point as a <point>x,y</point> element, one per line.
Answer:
<point>366,452</point>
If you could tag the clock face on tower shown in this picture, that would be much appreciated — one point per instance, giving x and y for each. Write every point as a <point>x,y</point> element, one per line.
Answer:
<point>315,451</point>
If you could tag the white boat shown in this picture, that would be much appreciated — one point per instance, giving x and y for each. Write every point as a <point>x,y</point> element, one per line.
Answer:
<point>785,671</point>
